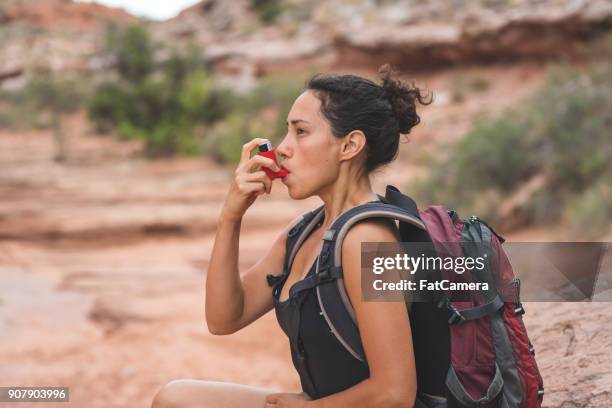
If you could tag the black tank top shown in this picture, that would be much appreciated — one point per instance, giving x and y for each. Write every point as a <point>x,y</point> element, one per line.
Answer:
<point>325,367</point>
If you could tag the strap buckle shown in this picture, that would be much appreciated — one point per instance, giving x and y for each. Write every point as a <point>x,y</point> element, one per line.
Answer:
<point>327,274</point>
<point>273,279</point>
<point>329,235</point>
<point>323,276</point>
<point>456,316</point>
<point>442,302</point>
<point>519,309</point>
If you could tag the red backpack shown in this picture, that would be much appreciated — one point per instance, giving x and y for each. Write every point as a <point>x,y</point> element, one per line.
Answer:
<point>491,362</point>
<point>490,350</point>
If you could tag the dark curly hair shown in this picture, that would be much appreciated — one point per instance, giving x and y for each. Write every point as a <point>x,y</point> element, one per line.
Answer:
<point>382,112</point>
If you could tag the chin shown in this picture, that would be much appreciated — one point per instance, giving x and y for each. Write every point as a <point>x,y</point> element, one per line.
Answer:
<point>297,193</point>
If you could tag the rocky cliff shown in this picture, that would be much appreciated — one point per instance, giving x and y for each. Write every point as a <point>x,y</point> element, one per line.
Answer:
<point>244,42</point>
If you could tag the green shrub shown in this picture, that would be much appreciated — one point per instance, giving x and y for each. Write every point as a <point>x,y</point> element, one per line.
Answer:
<point>45,95</point>
<point>201,100</point>
<point>180,65</point>
<point>179,108</point>
<point>591,211</point>
<point>44,101</point>
<point>109,106</point>
<point>274,93</point>
<point>164,106</point>
<point>563,131</point>
<point>133,50</point>
<point>493,154</point>
<point>127,131</point>
<point>224,143</point>
<point>267,10</point>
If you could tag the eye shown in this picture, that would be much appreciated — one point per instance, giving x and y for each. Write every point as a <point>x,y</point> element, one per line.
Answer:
<point>299,131</point>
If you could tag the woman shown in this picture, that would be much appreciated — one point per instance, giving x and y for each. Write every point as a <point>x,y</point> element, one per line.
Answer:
<point>340,129</point>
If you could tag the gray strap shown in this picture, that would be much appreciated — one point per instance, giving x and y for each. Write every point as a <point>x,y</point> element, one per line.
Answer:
<point>459,392</point>
<point>424,400</point>
<point>475,312</point>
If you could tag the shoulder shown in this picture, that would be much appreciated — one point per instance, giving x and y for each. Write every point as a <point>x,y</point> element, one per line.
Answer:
<point>368,230</point>
<point>371,230</point>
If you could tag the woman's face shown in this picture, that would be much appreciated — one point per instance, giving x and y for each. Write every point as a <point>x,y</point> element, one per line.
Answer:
<point>309,151</point>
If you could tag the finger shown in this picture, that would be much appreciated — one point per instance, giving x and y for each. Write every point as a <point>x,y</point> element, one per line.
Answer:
<point>259,176</point>
<point>258,161</point>
<point>254,187</point>
<point>249,146</point>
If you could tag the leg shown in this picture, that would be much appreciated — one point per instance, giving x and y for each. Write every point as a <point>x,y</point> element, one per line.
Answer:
<point>209,394</point>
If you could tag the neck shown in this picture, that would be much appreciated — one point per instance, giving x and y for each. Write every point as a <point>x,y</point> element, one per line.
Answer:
<point>345,194</point>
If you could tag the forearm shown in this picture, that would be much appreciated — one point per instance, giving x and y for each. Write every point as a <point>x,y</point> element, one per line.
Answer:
<point>224,293</point>
<point>365,394</point>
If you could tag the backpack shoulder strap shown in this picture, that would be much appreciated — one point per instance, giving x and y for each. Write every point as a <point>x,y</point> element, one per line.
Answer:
<point>328,279</point>
<point>407,230</point>
<point>295,237</point>
<point>395,197</point>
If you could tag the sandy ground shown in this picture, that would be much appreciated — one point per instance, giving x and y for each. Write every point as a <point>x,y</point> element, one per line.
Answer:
<point>103,262</point>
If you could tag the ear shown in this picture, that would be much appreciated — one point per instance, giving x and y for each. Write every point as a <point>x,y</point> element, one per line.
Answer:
<point>352,144</point>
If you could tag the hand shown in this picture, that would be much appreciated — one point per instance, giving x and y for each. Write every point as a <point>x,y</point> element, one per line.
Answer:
<point>249,181</point>
<point>286,400</point>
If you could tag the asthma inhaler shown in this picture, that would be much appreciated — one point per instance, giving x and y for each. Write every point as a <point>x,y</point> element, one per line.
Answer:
<point>266,150</point>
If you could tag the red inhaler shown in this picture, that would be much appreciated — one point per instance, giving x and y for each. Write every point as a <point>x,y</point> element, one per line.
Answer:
<point>266,150</point>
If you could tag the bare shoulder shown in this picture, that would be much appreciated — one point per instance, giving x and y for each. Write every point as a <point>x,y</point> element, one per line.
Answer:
<point>371,230</point>
<point>368,230</point>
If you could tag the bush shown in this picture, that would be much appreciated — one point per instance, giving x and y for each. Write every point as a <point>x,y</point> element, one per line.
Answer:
<point>260,113</point>
<point>181,109</point>
<point>267,10</point>
<point>275,94</point>
<point>109,106</point>
<point>563,131</point>
<point>133,51</point>
<point>163,109</point>
<point>225,141</point>
<point>44,98</point>
<point>591,211</point>
<point>493,154</point>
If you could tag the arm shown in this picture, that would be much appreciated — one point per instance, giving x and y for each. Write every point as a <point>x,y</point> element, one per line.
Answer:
<point>233,301</point>
<point>385,333</point>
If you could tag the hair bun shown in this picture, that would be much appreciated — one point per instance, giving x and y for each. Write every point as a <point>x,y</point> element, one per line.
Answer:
<point>403,99</point>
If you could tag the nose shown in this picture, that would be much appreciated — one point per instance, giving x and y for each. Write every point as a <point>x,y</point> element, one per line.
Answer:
<point>283,150</point>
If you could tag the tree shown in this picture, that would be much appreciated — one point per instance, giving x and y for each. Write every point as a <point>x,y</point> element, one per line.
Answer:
<point>58,96</point>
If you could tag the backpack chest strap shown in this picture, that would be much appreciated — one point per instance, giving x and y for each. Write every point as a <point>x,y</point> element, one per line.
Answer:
<point>324,275</point>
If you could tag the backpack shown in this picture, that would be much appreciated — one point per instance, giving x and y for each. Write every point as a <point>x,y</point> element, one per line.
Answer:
<point>492,361</point>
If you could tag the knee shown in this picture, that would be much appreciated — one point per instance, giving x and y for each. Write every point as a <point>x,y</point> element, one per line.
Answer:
<point>171,395</point>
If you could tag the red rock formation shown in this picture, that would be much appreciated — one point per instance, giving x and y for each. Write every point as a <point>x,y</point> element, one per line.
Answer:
<point>62,14</point>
